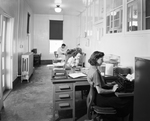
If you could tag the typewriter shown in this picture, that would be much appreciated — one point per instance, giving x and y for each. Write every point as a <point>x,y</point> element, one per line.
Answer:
<point>124,85</point>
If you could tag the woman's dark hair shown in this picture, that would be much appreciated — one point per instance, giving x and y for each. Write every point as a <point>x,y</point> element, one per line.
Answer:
<point>94,57</point>
<point>74,53</point>
<point>63,45</point>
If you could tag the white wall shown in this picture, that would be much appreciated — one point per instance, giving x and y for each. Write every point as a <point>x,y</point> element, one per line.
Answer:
<point>41,32</point>
<point>127,46</point>
<point>18,10</point>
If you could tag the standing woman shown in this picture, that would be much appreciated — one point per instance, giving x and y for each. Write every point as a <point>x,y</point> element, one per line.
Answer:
<point>105,96</point>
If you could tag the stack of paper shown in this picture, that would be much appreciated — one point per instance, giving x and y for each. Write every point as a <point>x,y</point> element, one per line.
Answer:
<point>77,75</point>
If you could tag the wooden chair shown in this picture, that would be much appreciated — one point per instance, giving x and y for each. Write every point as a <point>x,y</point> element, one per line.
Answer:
<point>100,112</point>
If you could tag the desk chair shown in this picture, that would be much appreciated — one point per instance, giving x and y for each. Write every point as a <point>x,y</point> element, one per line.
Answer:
<point>101,112</point>
<point>56,59</point>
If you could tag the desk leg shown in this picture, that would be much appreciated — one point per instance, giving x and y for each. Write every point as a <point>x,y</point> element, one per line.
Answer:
<point>73,110</point>
<point>53,103</point>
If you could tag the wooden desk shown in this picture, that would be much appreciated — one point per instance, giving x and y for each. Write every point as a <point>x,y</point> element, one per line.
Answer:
<point>127,94</point>
<point>64,93</point>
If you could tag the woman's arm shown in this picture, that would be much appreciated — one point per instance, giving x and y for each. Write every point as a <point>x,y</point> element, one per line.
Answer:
<point>101,90</point>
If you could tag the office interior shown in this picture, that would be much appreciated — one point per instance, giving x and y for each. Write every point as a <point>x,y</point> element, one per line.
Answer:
<point>118,27</point>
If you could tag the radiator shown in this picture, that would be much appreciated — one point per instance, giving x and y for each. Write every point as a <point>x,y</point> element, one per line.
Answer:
<point>26,66</point>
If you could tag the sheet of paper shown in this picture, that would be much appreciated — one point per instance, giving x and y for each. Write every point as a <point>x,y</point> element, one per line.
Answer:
<point>109,69</point>
<point>77,75</point>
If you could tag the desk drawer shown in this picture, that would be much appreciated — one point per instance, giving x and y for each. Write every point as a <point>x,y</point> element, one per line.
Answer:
<point>63,105</point>
<point>63,96</point>
<point>63,87</point>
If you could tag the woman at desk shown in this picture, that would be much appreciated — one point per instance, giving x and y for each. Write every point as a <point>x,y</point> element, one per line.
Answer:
<point>62,51</point>
<point>105,96</point>
<point>73,61</point>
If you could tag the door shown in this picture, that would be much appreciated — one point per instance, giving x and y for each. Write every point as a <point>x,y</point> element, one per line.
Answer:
<point>1,89</point>
<point>6,58</point>
<point>6,53</point>
<point>3,56</point>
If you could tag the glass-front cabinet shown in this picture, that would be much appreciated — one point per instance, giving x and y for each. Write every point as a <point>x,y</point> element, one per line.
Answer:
<point>114,15</point>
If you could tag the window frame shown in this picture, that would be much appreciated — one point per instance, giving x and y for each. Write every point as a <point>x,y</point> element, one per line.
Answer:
<point>111,14</point>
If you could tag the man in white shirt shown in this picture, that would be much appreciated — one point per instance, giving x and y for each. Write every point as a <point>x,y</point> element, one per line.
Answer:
<point>74,60</point>
<point>62,51</point>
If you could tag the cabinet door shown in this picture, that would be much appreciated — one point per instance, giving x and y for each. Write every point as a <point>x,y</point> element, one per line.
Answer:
<point>141,90</point>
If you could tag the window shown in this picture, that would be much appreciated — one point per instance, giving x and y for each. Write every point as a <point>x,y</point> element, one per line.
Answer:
<point>56,30</point>
<point>56,34</point>
<point>114,16</point>
<point>138,15</point>
<point>54,45</point>
<point>146,14</point>
<point>132,16</point>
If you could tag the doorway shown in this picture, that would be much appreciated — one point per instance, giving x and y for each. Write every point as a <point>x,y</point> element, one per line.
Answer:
<point>6,53</point>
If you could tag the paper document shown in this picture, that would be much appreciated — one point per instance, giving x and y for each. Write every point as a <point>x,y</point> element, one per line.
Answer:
<point>77,75</point>
<point>109,69</point>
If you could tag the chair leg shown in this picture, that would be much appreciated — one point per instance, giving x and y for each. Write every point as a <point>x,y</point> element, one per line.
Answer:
<point>98,118</point>
<point>126,118</point>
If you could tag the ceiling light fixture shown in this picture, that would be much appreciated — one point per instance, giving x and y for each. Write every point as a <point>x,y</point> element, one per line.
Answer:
<point>58,9</point>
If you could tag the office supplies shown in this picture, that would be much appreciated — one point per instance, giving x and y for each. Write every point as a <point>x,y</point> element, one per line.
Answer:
<point>58,72</point>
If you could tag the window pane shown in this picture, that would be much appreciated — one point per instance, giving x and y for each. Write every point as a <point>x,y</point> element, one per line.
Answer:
<point>116,14</point>
<point>54,45</point>
<point>108,20</point>
<point>132,16</point>
<point>107,30</point>
<point>116,23</point>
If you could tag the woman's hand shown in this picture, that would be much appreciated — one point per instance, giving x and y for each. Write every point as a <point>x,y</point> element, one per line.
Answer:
<point>115,87</point>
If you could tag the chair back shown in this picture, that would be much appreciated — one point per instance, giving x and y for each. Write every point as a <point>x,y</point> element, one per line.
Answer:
<point>90,100</point>
<point>82,60</point>
<point>55,54</point>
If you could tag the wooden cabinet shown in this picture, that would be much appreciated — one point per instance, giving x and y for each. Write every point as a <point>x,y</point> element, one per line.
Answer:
<point>37,59</point>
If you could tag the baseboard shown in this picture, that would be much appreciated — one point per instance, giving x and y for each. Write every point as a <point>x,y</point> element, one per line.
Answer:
<point>44,62</point>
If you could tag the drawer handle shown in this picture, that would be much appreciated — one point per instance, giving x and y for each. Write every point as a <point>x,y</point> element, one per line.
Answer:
<point>64,96</point>
<point>63,105</point>
<point>64,87</point>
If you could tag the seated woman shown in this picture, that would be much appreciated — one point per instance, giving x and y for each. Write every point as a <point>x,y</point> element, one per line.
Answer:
<point>105,96</point>
<point>73,61</point>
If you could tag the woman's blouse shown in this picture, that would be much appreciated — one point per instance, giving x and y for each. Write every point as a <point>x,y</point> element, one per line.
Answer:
<point>94,76</point>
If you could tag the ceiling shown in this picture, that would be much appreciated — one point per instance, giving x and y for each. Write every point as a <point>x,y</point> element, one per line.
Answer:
<point>69,7</point>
